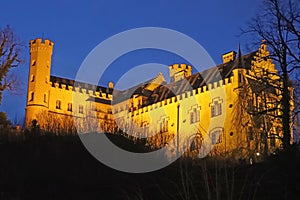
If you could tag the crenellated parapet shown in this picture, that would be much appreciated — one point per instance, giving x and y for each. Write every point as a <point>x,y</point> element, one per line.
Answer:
<point>83,88</point>
<point>179,71</point>
<point>209,88</point>
<point>38,45</point>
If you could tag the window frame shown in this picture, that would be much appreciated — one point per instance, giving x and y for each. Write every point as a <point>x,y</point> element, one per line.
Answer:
<point>58,104</point>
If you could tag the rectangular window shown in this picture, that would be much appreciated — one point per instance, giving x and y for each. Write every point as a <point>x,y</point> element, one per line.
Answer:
<point>45,98</point>
<point>58,104</point>
<point>31,96</point>
<point>80,109</point>
<point>216,109</point>
<point>192,117</point>
<point>195,115</point>
<point>70,107</point>
<point>32,78</point>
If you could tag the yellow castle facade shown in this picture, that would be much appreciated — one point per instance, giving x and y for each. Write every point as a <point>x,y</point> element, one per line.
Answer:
<point>189,113</point>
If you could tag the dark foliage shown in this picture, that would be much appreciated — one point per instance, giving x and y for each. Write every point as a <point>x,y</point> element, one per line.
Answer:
<point>59,167</point>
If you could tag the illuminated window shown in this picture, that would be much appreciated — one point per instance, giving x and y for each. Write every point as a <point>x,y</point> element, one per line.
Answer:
<point>216,107</point>
<point>31,96</point>
<point>58,104</point>
<point>45,98</point>
<point>70,107</point>
<point>194,115</point>
<point>216,135</point>
<point>80,109</point>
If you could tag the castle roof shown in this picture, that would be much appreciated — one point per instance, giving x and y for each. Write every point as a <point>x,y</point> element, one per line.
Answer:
<point>197,80</point>
<point>156,89</point>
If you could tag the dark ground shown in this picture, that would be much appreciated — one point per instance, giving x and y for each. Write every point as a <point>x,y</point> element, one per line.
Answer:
<point>59,167</point>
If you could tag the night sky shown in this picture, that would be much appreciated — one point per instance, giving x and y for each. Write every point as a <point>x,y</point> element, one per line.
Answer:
<point>76,27</point>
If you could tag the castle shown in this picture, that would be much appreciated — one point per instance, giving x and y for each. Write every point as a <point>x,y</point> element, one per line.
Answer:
<point>190,111</point>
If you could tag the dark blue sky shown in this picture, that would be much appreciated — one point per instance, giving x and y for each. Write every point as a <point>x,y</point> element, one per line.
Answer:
<point>76,27</point>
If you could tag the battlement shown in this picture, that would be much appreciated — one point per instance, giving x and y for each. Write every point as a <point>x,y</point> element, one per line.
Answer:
<point>179,71</point>
<point>84,88</point>
<point>40,42</point>
<point>230,56</point>
<point>180,97</point>
<point>180,67</point>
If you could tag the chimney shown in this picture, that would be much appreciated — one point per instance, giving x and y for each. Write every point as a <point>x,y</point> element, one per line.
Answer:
<point>110,85</point>
<point>230,56</point>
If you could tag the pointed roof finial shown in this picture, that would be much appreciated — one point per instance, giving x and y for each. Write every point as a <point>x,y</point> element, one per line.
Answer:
<point>240,63</point>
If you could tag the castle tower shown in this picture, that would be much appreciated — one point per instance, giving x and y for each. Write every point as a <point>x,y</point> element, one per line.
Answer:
<point>178,72</point>
<point>38,80</point>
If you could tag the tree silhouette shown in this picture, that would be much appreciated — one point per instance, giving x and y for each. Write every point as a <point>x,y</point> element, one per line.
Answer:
<point>9,57</point>
<point>278,24</point>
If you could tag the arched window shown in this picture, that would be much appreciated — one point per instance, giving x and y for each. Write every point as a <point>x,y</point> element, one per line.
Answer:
<point>216,135</point>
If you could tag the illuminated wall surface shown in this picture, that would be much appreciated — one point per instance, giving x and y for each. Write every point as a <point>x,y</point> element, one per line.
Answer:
<point>196,107</point>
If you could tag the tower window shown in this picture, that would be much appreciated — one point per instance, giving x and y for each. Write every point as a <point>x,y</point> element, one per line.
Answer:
<point>58,104</point>
<point>46,80</point>
<point>80,109</point>
<point>32,78</point>
<point>33,63</point>
<point>70,107</point>
<point>31,96</point>
<point>45,98</point>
